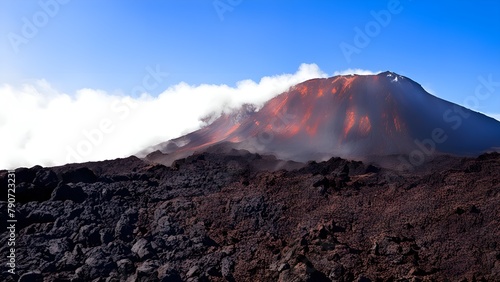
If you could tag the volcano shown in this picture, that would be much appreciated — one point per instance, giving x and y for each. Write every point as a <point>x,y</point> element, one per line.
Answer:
<point>351,116</point>
<point>222,213</point>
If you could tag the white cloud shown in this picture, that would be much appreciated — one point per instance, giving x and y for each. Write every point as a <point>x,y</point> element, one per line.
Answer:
<point>40,125</point>
<point>355,71</point>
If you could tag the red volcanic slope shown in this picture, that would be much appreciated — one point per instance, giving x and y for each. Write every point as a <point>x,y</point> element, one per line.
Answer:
<point>352,116</point>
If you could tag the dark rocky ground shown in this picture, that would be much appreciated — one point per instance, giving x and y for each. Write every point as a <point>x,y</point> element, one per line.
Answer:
<point>216,217</point>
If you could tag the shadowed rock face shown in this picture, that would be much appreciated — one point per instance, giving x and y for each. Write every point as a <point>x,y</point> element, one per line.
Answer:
<point>350,116</point>
<point>216,217</point>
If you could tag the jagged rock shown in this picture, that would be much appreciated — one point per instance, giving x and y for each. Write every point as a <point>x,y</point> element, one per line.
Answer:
<point>57,247</point>
<point>97,264</point>
<point>125,226</point>
<point>105,235</point>
<point>227,266</point>
<point>89,235</point>
<point>336,271</point>
<point>142,248</point>
<point>45,178</point>
<point>65,192</point>
<point>71,259</point>
<point>283,266</point>
<point>146,272</point>
<point>167,273</point>
<point>125,267</point>
<point>193,271</point>
<point>24,174</point>
<point>82,174</point>
<point>43,182</point>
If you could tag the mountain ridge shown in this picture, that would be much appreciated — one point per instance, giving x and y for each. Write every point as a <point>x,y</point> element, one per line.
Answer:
<point>350,116</point>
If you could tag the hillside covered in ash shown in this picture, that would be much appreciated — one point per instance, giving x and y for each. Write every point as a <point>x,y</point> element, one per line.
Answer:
<point>219,217</point>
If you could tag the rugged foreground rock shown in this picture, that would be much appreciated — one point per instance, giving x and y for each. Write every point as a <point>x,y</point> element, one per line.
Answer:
<point>215,217</point>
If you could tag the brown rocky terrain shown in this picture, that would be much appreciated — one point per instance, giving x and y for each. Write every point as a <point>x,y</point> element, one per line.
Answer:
<point>221,217</point>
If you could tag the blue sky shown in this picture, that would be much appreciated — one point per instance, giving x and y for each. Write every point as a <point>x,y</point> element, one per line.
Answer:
<point>444,45</point>
<point>108,45</point>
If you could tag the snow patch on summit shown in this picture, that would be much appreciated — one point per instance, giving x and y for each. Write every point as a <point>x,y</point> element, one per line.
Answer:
<point>397,78</point>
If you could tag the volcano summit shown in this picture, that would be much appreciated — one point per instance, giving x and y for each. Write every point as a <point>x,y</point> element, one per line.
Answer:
<point>362,117</point>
